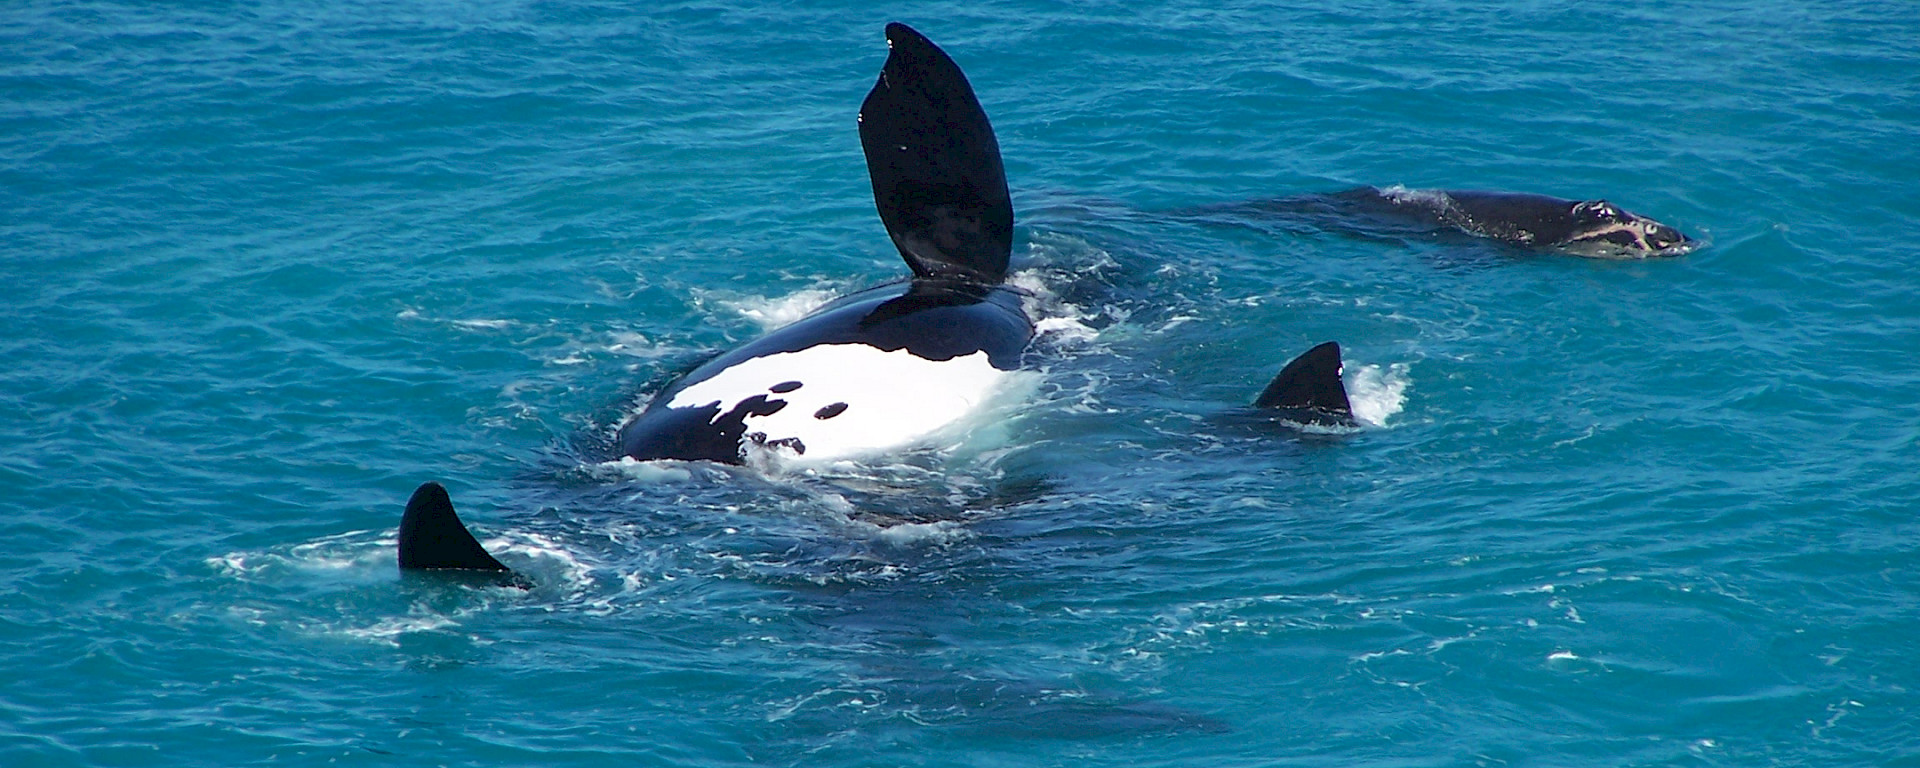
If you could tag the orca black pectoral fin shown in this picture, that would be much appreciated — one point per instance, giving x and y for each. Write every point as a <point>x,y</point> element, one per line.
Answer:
<point>935,165</point>
<point>1309,390</point>
<point>433,538</point>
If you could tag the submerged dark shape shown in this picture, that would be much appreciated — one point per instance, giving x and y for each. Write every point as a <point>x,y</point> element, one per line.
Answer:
<point>1591,228</point>
<point>433,538</point>
<point>941,192</point>
<point>1309,390</point>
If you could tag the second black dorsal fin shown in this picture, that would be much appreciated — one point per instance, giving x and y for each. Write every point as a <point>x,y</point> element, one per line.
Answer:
<point>433,538</point>
<point>1309,390</point>
<point>935,165</point>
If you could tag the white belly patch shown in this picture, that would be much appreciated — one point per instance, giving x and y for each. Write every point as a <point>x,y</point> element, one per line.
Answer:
<point>844,400</point>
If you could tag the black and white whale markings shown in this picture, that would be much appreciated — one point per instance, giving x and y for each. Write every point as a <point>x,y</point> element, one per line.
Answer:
<point>1591,228</point>
<point>875,370</point>
<point>891,365</point>
<point>888,366</point>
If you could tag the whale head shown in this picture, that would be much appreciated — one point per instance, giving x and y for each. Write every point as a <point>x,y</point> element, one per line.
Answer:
<point>1602,229</point>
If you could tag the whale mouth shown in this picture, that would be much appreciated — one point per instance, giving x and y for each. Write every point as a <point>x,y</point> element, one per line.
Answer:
<point>1636,239</point>
<point>1607,250</point>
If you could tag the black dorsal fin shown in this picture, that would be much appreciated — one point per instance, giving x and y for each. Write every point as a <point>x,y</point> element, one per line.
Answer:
<point>432,537</point>
<point>1309,389</point>
<point>935,165</point>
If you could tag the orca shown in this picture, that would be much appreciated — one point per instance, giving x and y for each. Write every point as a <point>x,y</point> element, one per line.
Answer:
<point>1589,228</point>
<point>888,366</point>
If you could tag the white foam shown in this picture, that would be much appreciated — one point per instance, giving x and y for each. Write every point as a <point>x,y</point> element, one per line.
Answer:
<point>911,534</point>
<point>1401,194</point>
<point>1058,322</point>
<point>1070,330</point>
<point>387,631</point>
<point>1378,393</point>
<point>633,344</point>
<point>348,554</point>
<point>648,472</point>
<point>1175,322</point>
<point>553,564</point>
<point>771,313</point>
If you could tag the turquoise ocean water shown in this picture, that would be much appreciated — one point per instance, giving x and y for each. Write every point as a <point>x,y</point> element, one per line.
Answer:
<point>267,266</point>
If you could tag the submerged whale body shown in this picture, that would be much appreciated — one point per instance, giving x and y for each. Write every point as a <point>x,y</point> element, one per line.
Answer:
<point>1591,228</point>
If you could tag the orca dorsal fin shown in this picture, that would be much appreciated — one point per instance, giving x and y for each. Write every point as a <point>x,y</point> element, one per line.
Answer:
<point>433,538</point>
<point>935,165</point>
<point>1309,390</point>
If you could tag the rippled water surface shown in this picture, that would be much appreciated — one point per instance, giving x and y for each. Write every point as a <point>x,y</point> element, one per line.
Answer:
<point>268,266</point>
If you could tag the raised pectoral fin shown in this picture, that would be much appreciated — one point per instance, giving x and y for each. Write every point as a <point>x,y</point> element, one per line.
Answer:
<point>935,165</point>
